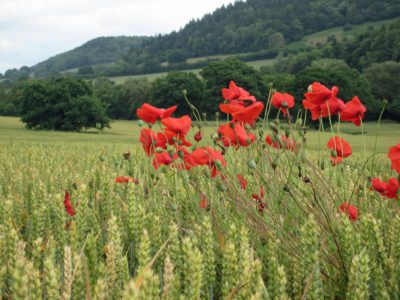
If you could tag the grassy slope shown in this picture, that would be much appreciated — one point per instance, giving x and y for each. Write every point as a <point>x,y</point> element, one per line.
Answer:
<point>127,133</point>
<point>310,40</point>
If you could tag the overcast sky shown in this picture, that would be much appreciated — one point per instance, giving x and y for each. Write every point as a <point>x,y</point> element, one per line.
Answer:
<point>33,30</point>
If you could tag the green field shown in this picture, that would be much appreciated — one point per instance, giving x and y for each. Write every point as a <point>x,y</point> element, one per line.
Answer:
<point>126,133</point>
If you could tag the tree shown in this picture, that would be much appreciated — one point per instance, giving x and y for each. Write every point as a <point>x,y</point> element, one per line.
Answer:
<point>168,91</point>
<point>61,104</point>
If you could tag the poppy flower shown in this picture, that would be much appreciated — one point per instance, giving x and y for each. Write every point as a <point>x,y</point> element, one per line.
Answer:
<point>249,114</point>
<point>285,142</point>
<point>318,93</point>
<point>151,140</point>
<point>235,135</point>
<point>282,101</point>
<point>198,137</point>
<point>242,181</point>
<point>151,114</point>
<point>203,201</point>
<point>259,196</point>
<point>229,108</point>
<point>316,111</point>
<point>340,149</point>
<point>349,210</point>
<point>353,111</point>
<point>331,107</point>
<point>208,157</point>
<point>122,179</point>
<point>180,126</point>
<point>162,158</point>
<point>236,94</point>
<point>68,205</point>
<point>394,156</point>
<point>174,138</point>
<point>387,189</point>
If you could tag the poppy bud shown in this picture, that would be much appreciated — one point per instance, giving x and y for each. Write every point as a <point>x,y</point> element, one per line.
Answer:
<point>149,125</point>
<point>334,153</point>
<point>184,92</point>
<point>232,125</point>
<point>286,188</point>
<point>101,157</point>
<point>218,164</point>
<point>251,164</point>
<point>217,114</point>
<point>192,107</point>
<point>306,179</point>
<point>248,141</point>
<point>174,139</point>
<point>204,115</point>
<point>198,136</point>
<point>273,91</point>
<point>284,104</point>
<point>223,151</point>
<point>247,126</point>
<point>159,150</point>
<point>385,102</point>
<point>287,132</point>
<point>180,142</point>
<point>270,85</point>
<point>299,122</point>
<point>198,125</point>
<point>171,153</point>
<point>274,165</point>
<point>126,155</point>
<point>273,127</point>
<point>140,123</point>
<point>181,154</point>
<point>221,187</point>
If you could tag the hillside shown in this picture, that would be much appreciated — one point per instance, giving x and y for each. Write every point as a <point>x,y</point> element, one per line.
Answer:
<point>256,29</point>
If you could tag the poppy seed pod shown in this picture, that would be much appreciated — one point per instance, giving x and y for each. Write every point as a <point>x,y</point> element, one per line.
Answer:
<point>181,154</point>
<point>171,153</point>
<point>218,164</point>
<point>333,153</point>
<point>140,123</point>
<point>285,105</point>
<point>184,92</point>
<point>287,132</point>
<point>252,164</point>
<point>159,150</point>
<point>232,125</point>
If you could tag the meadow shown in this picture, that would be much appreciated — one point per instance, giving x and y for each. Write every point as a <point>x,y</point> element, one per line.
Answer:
<point>90,216</point>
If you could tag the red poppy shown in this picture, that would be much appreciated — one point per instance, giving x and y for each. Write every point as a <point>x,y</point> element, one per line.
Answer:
<point>208,157</point>
<point>249,114</point>
<point>180,126</point>
<point>285,142</point>
<point>162,158</point>
<point>122,179</point>
<point>387,189</point>
<point>341,149</point>
<point>68,206</point>
<point>150,114</point>
<point>231,108</point>
<point>151,140</point>
<point>203,201</point>
<point>260,196</point>
<point>242,181</point>
<point>315,110</point>
<point>318,93</point>
<point>198,137</point>
<point>353,111</point>
<point>174,138</point>
<point>236,94</point>
<point>235,136</point>
<point>394,156</point>
<point>331,107</point>
<point>282,101</point>
<point>349,210</point>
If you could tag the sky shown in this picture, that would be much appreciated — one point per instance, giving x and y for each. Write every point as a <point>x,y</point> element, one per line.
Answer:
<point>33,30</point>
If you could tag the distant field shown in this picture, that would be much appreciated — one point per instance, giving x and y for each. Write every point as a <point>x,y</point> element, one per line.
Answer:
<point>257,64</point>
<point>321,36</point>
<point>127,133</point>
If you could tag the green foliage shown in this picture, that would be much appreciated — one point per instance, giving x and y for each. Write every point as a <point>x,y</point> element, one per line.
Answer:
<point>168,91</point>
<point>61,104</point>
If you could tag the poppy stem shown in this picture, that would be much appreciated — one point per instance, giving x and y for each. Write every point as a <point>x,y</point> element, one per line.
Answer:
<point>376,135</point>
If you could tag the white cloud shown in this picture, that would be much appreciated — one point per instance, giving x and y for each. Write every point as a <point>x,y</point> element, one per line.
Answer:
<point>33,30</point>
